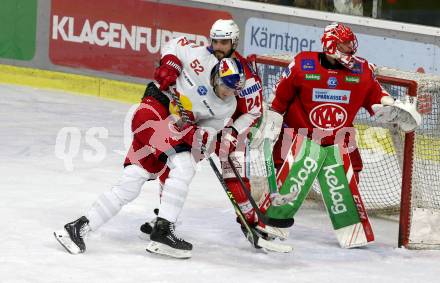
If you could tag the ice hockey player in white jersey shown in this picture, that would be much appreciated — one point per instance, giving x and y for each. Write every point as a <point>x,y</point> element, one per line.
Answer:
<point>163,136</point>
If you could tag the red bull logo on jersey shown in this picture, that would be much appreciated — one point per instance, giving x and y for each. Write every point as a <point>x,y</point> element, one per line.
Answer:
<point>328,116</point>
<point>331,95</point>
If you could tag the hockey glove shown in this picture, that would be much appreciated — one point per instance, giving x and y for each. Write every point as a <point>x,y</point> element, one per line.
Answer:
<point>402,113</point>
<point>228,142</point>
<point>198,138</point>
<point>270,128</point>
<point>168,71</point>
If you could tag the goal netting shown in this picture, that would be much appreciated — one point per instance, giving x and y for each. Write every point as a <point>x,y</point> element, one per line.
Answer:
<point>401,174</point>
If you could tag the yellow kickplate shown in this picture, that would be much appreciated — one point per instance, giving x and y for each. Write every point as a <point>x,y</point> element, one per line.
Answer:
<point>79,84</point>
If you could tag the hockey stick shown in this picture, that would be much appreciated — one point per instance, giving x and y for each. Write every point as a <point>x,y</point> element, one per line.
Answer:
<point>251,235</point>
<point>280,223</point>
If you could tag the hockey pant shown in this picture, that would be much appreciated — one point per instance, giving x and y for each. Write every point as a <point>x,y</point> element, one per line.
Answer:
<point>128,188</point>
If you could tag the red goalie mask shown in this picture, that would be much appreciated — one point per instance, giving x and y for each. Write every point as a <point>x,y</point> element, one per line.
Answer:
<point>340,43</point>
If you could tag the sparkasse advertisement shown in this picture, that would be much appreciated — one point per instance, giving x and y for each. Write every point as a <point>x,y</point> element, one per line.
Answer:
<point>96,35</point>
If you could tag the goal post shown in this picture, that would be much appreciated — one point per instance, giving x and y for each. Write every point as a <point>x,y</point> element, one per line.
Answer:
<point>401,175</point>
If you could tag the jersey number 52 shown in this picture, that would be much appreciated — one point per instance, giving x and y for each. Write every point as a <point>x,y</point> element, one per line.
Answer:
<point>197,67</point>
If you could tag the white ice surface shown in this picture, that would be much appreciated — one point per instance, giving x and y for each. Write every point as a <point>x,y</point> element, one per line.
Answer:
<point>38,195</point>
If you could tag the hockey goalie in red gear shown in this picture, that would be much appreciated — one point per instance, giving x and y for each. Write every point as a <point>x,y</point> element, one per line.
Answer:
<point>319,95</point>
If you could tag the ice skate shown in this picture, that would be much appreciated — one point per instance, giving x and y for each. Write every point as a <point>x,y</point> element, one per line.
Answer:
<point>72,236</point>
<point>164,241</point>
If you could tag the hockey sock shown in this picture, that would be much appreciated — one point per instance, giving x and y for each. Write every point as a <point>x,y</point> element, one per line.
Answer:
<point>241,198</point>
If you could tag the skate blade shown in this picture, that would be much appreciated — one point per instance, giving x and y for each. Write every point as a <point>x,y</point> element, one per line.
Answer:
<point>63,238</point>
<point>159,248</point>
<point>281,233</point>
<point>274,247</point>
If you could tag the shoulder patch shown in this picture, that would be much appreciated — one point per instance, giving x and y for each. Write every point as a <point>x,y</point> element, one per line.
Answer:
<point>357,68</point>
<point>308,65</point>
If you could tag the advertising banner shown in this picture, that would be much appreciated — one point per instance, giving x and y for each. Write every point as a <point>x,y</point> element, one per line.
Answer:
<point>122,36</point>
<point>18,20</point>
<point>264,36</point>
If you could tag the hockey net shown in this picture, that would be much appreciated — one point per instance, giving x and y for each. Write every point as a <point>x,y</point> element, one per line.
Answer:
<point>401,174</point>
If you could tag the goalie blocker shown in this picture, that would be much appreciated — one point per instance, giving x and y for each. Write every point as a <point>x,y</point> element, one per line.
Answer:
<point>305,161</point>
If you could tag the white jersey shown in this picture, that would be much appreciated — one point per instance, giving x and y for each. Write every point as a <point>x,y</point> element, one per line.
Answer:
<point>194,86</point>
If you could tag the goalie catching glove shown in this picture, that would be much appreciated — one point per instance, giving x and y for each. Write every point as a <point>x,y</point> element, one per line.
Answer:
<point>402,113</point>
<point>270,128</point>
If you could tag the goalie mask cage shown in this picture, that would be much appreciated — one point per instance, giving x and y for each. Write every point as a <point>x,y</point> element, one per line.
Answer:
<point>401,173</point>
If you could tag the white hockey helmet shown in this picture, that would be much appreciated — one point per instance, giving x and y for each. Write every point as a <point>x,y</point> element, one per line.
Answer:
<point>225,29</point>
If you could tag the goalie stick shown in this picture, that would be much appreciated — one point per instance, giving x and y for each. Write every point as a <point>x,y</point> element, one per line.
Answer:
<point>251,235</point>
<point>280,223</point>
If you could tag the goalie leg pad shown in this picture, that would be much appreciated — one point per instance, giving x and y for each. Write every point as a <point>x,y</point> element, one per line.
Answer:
<point>295,177</point>
<point>342,199</point>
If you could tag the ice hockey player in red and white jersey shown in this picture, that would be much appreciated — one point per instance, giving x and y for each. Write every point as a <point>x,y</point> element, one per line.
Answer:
<point>224,36</point>
<point>166,129</point>
<point>320,94</point>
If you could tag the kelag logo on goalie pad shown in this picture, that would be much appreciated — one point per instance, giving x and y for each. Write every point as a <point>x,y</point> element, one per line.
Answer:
<point>336,191</point>
<point>298,181</point>
<point>296,175</point>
